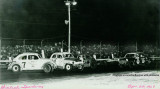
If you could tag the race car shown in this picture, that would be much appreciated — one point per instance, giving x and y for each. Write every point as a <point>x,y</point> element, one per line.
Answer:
<point>66,61</point>
<point>31,61</point>
<point>95,62</point>
<point>134,59</point>
<point>88,61</point>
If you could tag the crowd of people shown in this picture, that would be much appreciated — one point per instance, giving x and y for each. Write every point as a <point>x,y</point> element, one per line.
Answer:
<point>104,50</point>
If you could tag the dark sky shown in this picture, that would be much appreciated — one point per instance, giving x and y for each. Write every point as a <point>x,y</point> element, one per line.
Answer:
<point>117,20</point>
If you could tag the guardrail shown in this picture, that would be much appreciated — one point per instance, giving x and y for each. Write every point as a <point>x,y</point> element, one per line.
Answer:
<point>4,63</point>
<point>1,61</point>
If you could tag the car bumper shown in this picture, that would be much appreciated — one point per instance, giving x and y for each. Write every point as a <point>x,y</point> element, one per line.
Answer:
<point>78,66</point>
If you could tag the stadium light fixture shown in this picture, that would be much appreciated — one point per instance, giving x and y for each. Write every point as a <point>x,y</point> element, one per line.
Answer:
<point>74,3</point>
<point>68,4</point>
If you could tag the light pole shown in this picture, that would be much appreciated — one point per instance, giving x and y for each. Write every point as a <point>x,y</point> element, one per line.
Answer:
<point>136,46</point>
<point>68,4</point>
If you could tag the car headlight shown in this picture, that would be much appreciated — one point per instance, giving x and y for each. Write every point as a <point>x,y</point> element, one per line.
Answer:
<point>126,59</point>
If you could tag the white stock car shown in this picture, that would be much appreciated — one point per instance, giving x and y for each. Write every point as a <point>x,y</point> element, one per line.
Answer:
<point>31,61</point>
<point>66,61</point>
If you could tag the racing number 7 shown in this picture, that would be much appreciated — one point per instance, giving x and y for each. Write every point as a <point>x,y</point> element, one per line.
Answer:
<point>24,63</point>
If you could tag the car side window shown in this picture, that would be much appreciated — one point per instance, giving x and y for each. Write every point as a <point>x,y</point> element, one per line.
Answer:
<point>59,56</point>
<point>29,57</point>
<point>23,58</point>
<point>54,56</point>
<point>33,57</point>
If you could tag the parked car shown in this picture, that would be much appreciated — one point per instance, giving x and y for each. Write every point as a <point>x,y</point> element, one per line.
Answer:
<point>66,61</point>
<point>31,61</point>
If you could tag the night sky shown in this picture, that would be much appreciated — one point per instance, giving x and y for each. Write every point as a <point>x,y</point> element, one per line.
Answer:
<point>110,20</point>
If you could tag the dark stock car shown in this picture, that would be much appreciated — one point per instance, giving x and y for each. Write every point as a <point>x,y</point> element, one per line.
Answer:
<point>88,61</point>
<point>134,59</point>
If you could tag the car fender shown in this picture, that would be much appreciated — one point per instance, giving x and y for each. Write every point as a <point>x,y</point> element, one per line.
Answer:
<point>15,63</point>
<point>53,65</point>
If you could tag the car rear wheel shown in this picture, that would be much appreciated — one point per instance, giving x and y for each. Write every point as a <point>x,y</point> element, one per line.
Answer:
<point>47,68</point>
<point>68,67</point>
<point>16,68</point>
<point>81,67</point>
<point>93,64</point>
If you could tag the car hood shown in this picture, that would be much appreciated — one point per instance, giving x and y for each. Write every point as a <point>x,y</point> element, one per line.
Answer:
<point>127,58</point>
<point>72,59</point>
<point>45,59</point>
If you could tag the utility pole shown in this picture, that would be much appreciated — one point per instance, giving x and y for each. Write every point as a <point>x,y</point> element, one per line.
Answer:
<point>0,40</point>
<point>136,46</point>
<point>100,49</point>
<point>0,44</point>
<point>42,43</point>
<point>62,45</point>
<point>24,43</point>
<point>81,45</point>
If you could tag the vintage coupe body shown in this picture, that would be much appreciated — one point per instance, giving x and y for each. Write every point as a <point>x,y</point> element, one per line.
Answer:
<point>134,59</point>
<point>31,61</point>
<point>66,61</point>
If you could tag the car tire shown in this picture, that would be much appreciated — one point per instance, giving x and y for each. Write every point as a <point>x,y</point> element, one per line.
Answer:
<point>81,68</point>
<point>16,68</point>
<point>130,65</point>
<point>47,68</point>
<point>68,67</point>
<point>93,64</point>
<point>120,65</point>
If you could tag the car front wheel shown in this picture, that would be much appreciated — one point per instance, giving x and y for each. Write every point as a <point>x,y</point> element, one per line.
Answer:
<point>16,68</point>
<point>68,67</point>
<point>47,68</point>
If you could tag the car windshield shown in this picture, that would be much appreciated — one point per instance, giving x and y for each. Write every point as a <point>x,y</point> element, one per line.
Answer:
<point>39,56</point>
<point>129,55</point>
<point>68,56</point>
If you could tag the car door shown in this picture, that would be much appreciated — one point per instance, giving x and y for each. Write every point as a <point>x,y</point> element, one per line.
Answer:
<point>142,58</point>
<point>34,62</point>
<point>54,57</point>
<point>59,60</point>
<point>25,62</point>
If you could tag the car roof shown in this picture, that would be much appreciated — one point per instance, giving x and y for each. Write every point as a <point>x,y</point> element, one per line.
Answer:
<point>135,53</point>
<point>62,53</point>
<point>29,53</point>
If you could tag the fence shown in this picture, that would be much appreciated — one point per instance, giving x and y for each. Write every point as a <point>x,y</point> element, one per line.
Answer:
<point>12,47</point>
